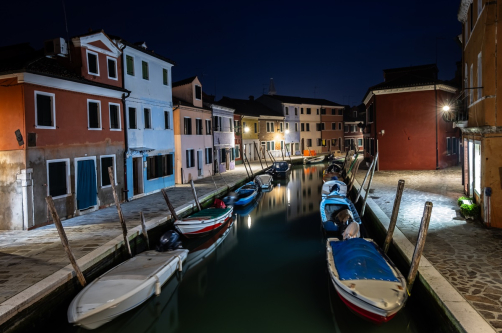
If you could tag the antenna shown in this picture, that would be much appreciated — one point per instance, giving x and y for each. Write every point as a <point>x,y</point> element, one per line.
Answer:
<point>66,26</point>
<point>271,88</point>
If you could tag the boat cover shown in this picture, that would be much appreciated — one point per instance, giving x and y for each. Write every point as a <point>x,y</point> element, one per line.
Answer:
<point>281,166</point>
<point>359,259</point>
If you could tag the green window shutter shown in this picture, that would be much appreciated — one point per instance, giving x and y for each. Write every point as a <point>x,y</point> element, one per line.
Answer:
<point>164,75</point>
<point>130,65</point>
<point>145,70</point>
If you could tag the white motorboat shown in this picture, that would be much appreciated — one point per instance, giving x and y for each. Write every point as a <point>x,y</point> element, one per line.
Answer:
<point>264,181</point>
<point>124,287</point>
<point>313,160</point>
<point>334,185</point>
<point>204,221</point>
<point>365,278</point>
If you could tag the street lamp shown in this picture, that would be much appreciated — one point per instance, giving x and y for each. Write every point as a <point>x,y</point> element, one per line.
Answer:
<point>446,108</point>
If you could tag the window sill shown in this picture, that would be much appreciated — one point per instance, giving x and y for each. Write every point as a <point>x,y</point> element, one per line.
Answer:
<point>116,129</point>
<point>62,196</point>
<point>159,177</point>
<point>45,127</point>
<point>113,78</point>
<point>94,129</point>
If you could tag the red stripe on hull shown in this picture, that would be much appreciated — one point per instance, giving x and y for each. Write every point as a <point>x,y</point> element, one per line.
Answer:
<point>373,317</point>
<point>208,228</point>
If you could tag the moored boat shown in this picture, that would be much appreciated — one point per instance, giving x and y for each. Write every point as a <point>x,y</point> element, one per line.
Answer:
<point>313,160</point>
<point>279,169</point>
<point>365,278</point>
<point>203,221</point>
<point>124,287</point>
<point>333,186</point>
<point>264,181</point>
<point>337,211</point>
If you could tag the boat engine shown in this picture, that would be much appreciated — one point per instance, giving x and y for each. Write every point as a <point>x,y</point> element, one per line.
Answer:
<point>169,241</point>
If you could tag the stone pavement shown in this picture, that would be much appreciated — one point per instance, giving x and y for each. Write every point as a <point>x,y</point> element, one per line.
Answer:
<point>466,253</point>
<point>27,257</point>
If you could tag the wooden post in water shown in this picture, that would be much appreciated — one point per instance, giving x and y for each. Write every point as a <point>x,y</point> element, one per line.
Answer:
<point>257,153</point>
<point>64,240</point>
<point>119,210</point>
<point>369,186</point>
<point>244,162</point>
<point>364,181</point>
<point>419,247</point>
<point>169,205</point>
<point>249,164</point>
<point>393,218</point>
<point>195,195</point>
<point>143,228</point>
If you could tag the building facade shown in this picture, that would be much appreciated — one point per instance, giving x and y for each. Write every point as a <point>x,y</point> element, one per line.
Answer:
<point>68,119</point>
<point>149,119</point>
<point>223,138</point>
<point>332,133</point>
<point>193,135</point>
<point>404,122</point>
<point>353,119</point>
<point>478,117</point>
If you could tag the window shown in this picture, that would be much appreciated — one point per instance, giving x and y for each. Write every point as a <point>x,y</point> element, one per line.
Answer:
<point>347,143</point>
<point>480,76</point>
<point>236,126</point>
<point>208,126</point>
<point>114,116</point>
<point>198,126</point>
<point>480,7</point>
<point>307,126</point>
<point>333,112</point>
<point>231,124</point>
<point>286,109</point>
<point>471,91</point>
<point>94,114</point>
<point>187,128</point>
<point>309,142</point>
<point>190,157</point>
<point>112,68</point>
<point>159,166</point>
<point>270,145</point>
<point>323,111</point>
<point>333,126</point>
<point>296,111</point>
<point>319,142</point>
<point>148,118</point>
<point>223,155</point>
<point>333,142</point>
<point>270,127</point>
<point>281,127</point>
<point>237,152</point>
<point>303,127</point>
<point>346,128</point>
<point>339,126</point>
<point>355,114</point>
<point>317,112</point>
<point>165,77</point>
<point>217,123</point>
<point>198,92</point>
<point>340,112</point>
<point>132,118</point>
<point>58,174</point>
<point>301,110</point>
<point>370,113</point>
<point>144,70</point>
<point>209,154</point>
<point>359,142</point>
<point>130,65</point>
<point>454,146</point>
<point>309,111</point>
<point>448,146</point>
<point>166,120</point>
<point>45,111</point>
<point>296,127</point>
<point>106,162</point>
<point>92,63</point>
<point>287,126</point>
<point>477,167</point>
<point>353,128</point>
<point>256,127</point>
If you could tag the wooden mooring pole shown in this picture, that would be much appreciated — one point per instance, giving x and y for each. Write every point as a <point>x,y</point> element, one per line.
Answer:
<point>119,209</point>
<point>419,247</point>
<point>143,228</point>
<point>249,165</point>
<point>257,153</point>
<point>393,218</point>
<point>169,205</point>
<point>364,181</point>
<point>369,186</point>
<point>195,195</point>
<point>64,240</point>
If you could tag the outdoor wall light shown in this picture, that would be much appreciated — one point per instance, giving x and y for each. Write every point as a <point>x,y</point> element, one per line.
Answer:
<point>446,108</point>
<point>382,132</point>
<point>246,129</point>
<point>287,131</point>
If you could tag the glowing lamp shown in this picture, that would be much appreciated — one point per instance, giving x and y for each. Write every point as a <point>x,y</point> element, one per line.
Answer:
<point>287,131</point>
<point>446,108</point>
<point>246,129</point>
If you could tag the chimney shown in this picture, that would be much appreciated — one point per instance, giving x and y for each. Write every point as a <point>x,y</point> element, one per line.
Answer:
<point>271,88</point>
<point>251,98</point>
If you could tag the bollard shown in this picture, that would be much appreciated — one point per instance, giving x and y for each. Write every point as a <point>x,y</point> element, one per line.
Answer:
<point>169,205</point>
<point>364,181</point>
<point>369,186</point>
<point>393,218</point>
<point>64,240</point>
<point>143,228</point>
<point>195,195</point>
<point>119,210</point>
<point>419,247</point>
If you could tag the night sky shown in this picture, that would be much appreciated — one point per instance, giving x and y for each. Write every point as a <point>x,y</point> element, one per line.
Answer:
<point>333,49</point>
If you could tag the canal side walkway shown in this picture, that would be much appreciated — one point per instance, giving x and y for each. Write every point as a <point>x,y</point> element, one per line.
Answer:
<point>465,253</point>
<point>34,263</point>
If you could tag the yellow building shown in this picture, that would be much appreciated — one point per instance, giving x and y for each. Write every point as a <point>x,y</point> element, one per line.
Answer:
<point>479,117</point>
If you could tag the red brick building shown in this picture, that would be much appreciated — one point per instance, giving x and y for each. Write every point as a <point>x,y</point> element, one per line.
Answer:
<point>404,120</point>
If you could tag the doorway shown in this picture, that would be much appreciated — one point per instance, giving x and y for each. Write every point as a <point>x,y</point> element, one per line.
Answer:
<point>137,175</point>
<point>199,162</point>
<point>86,183</point>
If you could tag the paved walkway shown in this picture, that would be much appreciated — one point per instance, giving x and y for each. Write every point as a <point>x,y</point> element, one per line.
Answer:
<point>466,253</point>
<point>27,257</point>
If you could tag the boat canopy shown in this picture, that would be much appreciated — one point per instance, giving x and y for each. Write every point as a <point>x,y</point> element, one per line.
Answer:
<point>281,166</point>
<point>359,259</point>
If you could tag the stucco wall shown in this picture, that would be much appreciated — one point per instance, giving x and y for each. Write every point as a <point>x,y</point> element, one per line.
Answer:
<point>11,113</point>
<point>11,198</point>
<point>329,133</point>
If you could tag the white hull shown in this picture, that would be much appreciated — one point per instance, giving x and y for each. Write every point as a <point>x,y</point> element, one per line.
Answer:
<point>313,160</point>
<point>264,181</point>
<point>199,226</point>
<point>123,288</point>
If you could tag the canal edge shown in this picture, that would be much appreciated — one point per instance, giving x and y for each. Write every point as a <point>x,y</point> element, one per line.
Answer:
<point>462,316</point>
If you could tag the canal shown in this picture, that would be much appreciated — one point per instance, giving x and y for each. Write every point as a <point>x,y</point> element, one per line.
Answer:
<point>263,272</point>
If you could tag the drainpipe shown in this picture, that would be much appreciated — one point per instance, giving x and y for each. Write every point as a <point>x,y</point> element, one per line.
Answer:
<point>126,142</point>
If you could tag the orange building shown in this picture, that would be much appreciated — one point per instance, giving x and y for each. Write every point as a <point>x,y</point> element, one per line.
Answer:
<point>64,104</point>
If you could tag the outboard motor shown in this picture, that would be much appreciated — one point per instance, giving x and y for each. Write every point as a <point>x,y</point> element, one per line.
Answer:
<point>169,241</point>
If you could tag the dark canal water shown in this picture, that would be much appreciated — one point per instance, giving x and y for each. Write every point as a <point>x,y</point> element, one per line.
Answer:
<point>264,272</point>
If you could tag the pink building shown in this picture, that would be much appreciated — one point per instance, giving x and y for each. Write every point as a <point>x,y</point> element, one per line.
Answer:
<point>192,132</point>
